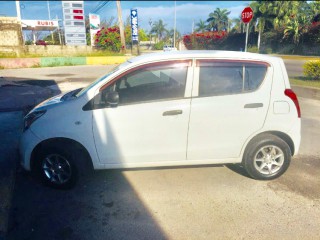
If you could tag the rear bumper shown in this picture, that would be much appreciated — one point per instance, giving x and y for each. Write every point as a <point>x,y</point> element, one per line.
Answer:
<point>295,134</point>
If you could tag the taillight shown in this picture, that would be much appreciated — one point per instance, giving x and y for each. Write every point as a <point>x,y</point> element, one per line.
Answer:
<point>289,93</point>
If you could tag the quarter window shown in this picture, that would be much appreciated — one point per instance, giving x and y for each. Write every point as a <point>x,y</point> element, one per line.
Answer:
<point>222,78</point>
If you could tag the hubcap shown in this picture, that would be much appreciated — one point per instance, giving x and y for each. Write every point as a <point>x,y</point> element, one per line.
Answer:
<point>269,160</point>
<point>57,168</point>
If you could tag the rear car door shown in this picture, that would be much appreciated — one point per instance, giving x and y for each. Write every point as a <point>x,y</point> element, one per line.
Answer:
<point>229,104</point>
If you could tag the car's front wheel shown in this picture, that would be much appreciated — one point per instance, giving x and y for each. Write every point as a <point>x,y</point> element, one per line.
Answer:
<point>56,167</point>
<point>267,157</point>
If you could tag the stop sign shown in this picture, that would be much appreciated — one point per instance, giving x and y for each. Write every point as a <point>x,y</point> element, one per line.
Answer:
<point>247,15</point>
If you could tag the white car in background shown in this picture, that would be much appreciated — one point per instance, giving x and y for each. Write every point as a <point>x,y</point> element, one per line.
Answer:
<point>169,109</point>
<point>167,48</point>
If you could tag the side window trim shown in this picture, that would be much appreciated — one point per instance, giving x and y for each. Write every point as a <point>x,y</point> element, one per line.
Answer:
<point>187,62</point>
<point>196,84</point>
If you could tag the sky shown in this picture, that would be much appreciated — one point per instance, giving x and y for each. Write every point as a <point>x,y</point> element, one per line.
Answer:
<point>187,12</point>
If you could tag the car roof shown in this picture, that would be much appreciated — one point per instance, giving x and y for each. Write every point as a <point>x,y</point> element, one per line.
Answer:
<point>171,55</point>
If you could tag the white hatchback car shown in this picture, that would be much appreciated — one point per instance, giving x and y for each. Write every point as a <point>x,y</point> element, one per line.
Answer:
<point>169,109</point>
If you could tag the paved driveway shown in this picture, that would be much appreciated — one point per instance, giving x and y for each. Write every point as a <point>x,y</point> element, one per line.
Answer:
<point>215,202</point>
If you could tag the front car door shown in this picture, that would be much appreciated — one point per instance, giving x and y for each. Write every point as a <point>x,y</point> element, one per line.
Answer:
<point>150,123</point>
<point>229,104</point>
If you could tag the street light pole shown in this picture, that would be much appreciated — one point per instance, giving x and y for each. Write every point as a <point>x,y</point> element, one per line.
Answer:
<point>18,10</point>
<point>49,15</point>
<point>174,28</point>
<point>150,23</point>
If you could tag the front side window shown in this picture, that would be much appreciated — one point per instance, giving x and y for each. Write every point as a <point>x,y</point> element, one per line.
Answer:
<point>152,82</point>
<point>222,78</point>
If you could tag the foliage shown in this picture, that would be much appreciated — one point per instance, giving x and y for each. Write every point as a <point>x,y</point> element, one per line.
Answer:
<point>158,45</point>
<point>28,42</point>
<point>159,28</point>
<point>201,26</point>
<point>312,69</point>
<point>206,40</point>
<point>218,19</point>
<point>127,32</point>
<point>108,39</point>
<point>48,38</point>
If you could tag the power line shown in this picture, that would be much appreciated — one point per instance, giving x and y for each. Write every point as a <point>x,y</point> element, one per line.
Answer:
<point>99,7</point>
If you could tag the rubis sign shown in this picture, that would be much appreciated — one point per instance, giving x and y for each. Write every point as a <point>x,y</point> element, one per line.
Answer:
<point>247,15</point>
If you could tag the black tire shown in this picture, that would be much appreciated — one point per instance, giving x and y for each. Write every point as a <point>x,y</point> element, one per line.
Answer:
<point>267,157</point>
<point>56,167</point>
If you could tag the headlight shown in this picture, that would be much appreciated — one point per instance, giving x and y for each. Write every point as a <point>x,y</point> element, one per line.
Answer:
<point>31,117</point>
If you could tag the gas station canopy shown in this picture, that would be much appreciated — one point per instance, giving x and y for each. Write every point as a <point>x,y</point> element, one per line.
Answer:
<point>39,25</point>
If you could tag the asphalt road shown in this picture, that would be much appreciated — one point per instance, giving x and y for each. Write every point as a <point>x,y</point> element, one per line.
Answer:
<point>215,202</point>
<point>294,67</point>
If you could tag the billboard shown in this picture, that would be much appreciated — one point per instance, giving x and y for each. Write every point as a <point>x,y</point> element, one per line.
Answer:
<point>74,22</point>
<point>94,20</point>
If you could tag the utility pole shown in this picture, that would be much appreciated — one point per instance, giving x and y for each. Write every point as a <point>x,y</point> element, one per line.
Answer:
<point>123,41</point>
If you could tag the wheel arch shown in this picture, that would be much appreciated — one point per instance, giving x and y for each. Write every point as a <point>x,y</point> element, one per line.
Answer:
<point>285,137</point>
<point>85,166</point>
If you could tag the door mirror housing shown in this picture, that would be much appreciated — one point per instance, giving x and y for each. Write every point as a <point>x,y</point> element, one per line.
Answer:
<point>112,98</point>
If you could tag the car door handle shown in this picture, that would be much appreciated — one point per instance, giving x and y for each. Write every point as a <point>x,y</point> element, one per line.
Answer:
<point>253,105</point>
<point>172,112</point>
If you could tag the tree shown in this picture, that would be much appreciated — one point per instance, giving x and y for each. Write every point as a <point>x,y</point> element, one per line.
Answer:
<point>218,19</point>
<point>159,28</point>
<point>201,26</point>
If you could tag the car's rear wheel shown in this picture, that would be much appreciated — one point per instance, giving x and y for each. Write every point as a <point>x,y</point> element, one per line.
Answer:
<point>267,157</point>
<point>56,166</point>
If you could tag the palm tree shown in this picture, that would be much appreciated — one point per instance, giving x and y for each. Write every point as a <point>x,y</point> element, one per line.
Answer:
<point>218,19</point>
<point>201,26</point>
<point>237,27</point>
<point>159,28</point>
<point>261,16</point>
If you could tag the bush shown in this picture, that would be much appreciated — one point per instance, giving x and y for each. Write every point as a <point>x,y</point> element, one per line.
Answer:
<point>253,49</point>
<point>311,69</point>
<point>108,39</point>
<point>206,40</point>
<point>158,45</point>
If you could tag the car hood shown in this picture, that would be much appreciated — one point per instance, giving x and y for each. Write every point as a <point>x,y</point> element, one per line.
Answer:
<point>57,99</point>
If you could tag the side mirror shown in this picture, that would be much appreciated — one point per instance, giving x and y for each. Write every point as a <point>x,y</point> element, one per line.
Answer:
<point>112,99</point>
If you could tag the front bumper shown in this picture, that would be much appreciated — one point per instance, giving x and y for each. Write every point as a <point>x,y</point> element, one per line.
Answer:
<point>28,142</point>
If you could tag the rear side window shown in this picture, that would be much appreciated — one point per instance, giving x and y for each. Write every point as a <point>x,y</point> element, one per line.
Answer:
<point>222,78</point>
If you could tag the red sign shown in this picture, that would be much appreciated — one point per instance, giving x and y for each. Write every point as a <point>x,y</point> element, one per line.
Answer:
<point>247,15</point>
<point>77,11</point>
<point>78,17</point>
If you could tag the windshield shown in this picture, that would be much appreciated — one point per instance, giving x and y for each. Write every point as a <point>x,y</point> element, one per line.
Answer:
<point>84,90</point>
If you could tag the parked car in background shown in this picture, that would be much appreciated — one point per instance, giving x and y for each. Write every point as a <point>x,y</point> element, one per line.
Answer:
<point>167,48</point>
<point>169,109</point>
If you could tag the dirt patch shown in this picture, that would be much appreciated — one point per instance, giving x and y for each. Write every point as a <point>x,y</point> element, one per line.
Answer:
<point>60,75</point>
<point>301,178</point>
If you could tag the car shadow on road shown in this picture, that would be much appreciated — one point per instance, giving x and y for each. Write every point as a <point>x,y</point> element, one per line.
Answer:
<point>102,206</point>
<point>239,169</point>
